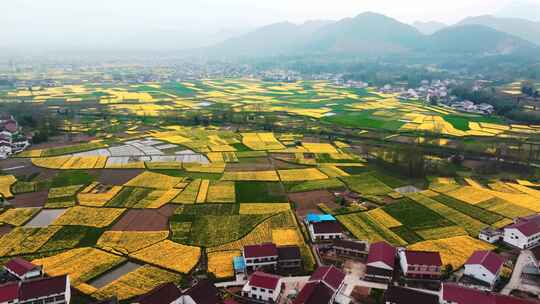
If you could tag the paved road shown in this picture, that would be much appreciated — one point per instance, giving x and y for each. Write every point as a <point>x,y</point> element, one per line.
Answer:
<point>515,281</point>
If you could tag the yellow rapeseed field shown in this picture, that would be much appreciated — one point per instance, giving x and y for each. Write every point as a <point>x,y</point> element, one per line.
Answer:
<point>220,263</point>
<point>320,148</point>
<point>18,216</point>
<point>171,256</point>
<point>6,181</point>
<point>287,236</point>
<point>126,242</point>
<point>261,208</point>
<point>81,264</point>
<point>50,162</point>
<point>25,240</point>
<point>64,191</point>
<point>332,171</point>
<point>138,282</point>
<point>203,191</point>
<point>454,250</point>
<point>383,218</point>
<point>470,195</point>
<point>221,192</point>
<point>270,176</point>
<point>154,180</point>
<point>98,199</point>
<point>88,216</point>
<point>301,175</point>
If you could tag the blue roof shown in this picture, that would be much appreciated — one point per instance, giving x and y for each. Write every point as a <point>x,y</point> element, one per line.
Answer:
<point>316,218</point>
<point>239,263</point>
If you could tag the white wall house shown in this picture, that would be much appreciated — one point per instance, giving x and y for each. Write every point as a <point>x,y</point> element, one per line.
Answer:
<point>490,235</point>
<point>484,266</point>
<point>261,255</point>
<point>325,231</point>
<point>522,236</point>
<point>263,287</point>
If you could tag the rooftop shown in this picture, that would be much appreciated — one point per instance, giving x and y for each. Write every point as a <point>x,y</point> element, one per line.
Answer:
<point>327,227</point>
<point>316,218</point>
<point>330,275</point>
<point>402,295</point>
<point>382,252</point>
<point>429,258</point>
<point>261,250</point>
<point>490,260</point>
<point>314,293</point>
<point>264,280</point>
<point>289,253</point>
<point>20,266</point>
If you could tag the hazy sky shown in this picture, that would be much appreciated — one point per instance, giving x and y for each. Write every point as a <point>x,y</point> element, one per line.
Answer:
<point>76,22</point>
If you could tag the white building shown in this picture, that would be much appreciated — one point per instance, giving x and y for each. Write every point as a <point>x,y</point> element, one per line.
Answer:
<point>22,269</point>
<point>524,233</point>
<point>484,266</point>
<point>54,290</point>
<point>263,287</point>
<point>490,235</point>
<point>325,231</point>
<point>261,255</point>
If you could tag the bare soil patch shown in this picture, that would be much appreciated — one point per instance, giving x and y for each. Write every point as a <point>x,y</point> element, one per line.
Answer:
<point>145,219</point>
<point>306,202</point>
<point>33,199</point>
<point>116,176</point>
<point>5,229</point>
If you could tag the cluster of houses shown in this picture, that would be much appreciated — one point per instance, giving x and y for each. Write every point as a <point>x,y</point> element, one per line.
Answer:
<point>25,283</point>
<point>12,140</point>
<point>523,233</point>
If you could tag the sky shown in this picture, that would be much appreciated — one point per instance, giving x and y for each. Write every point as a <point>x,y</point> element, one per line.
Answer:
<point>98,23</point>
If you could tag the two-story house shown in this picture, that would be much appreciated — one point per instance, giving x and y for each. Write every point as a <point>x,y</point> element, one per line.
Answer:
<point>484,266</point>
<point>263,287</point>
<point>323,286</point>
<point>425,265</point>
<point>524,233</point>
<point>380,263</point>
<point>351,249</point>
<point>22,269</point>
<point>52,290</point>
<point>260,255</point>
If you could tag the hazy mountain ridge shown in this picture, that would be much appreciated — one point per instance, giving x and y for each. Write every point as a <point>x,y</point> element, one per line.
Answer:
<point>369,34</point>
<point>428,27</point>
<point>522,28</point>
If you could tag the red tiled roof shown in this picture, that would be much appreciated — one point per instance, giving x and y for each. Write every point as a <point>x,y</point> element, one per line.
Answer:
<point>327,227</point>
<point>382,252</point>
<point>314,293</point>
<point>204,292</point>
<point>164,294</point>
<point>490,260</point>
<point>43,287</point>
<point>264,280</point>
<point>262,250</point>
<point>330,275</point>
<point>528,228</point>
<point>9,292</point>
<point>461,295</point>
<point>428,258</point>
<point>20,266</point>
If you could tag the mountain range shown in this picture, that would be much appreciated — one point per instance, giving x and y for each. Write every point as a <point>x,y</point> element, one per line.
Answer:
<point>373,34</point>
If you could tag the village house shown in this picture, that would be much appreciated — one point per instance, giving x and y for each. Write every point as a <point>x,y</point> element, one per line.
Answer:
<point>323,286</point>
<point>263,287</point>
<point>490,235</point>
<point>323,227</point>
<point>261,255</point>
<point>351,249</point>
<point>523,233</point>
<point>289,257</point>
<point>484,266</point>
<point>380,263</point>
<point>452,293</point>
<point>204,292</point>
<point>424,265</point>
<point>402,295</point>
<point>22,269</point>
<point>51,290</point>
<point>11,138</point>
